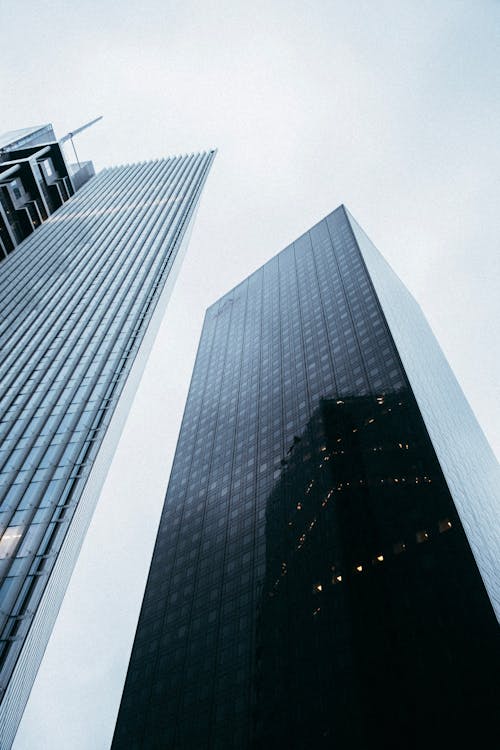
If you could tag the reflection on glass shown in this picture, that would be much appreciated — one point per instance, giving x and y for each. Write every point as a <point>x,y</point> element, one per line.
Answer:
<point>382,617</point>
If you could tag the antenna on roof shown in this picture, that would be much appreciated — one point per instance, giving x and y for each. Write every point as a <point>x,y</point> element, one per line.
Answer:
<point>79,130</point>
<point>69,136</point>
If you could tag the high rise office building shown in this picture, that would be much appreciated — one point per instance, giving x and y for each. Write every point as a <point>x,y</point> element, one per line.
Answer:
<point>82,300</point>
<point>324,571</point>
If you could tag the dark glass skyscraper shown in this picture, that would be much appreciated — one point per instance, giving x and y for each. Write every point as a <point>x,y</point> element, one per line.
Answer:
<point>323,575</point>
<point>82,299</point>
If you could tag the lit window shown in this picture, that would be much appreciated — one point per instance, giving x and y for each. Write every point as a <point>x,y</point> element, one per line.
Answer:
<point>317,588</point>
<point>9,540</point>
<point>380,558</point>
<point>444,525</point>
<point>359,568</point>
<point>337,578</point>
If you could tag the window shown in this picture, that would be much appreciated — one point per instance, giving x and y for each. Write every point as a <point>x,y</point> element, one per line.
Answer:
<point>16,188</point>
<point>9,540</point>
<point>444,525</point>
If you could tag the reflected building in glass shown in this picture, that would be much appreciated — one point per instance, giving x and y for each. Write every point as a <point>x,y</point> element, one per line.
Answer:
<point>82,299</point>
<point>324,571</point>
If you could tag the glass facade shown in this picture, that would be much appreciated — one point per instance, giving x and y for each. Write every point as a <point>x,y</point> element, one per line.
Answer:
<point>81,301</point>
<point>311,583</point>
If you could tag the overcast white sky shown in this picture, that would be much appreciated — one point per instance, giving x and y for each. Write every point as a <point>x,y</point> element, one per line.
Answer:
<point>391,107</point>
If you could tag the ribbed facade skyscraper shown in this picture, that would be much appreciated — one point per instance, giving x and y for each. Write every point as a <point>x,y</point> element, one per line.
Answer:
<point>324,574</point>
<point>82,299</point>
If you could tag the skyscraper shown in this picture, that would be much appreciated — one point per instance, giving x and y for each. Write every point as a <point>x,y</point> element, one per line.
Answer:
<point>324,571</point>
<point>82,299</point>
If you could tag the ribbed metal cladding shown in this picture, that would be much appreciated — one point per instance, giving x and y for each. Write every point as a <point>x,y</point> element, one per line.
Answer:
<point>80,298</point>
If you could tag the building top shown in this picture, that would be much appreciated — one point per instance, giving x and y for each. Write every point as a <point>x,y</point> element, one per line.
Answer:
<point>35,180</point>
<point>227,295</point>
<point>15,139</point>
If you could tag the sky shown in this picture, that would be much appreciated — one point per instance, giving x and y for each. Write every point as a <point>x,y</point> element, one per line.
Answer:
<point>391,107</point>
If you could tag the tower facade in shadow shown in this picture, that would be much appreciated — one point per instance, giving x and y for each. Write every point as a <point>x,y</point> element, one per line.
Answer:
<point>324,572</point>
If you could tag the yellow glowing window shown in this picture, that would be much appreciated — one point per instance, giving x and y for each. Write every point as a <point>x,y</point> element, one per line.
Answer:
<point>359,568</point>
<point>380,558</point>
<point>444,525</point>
